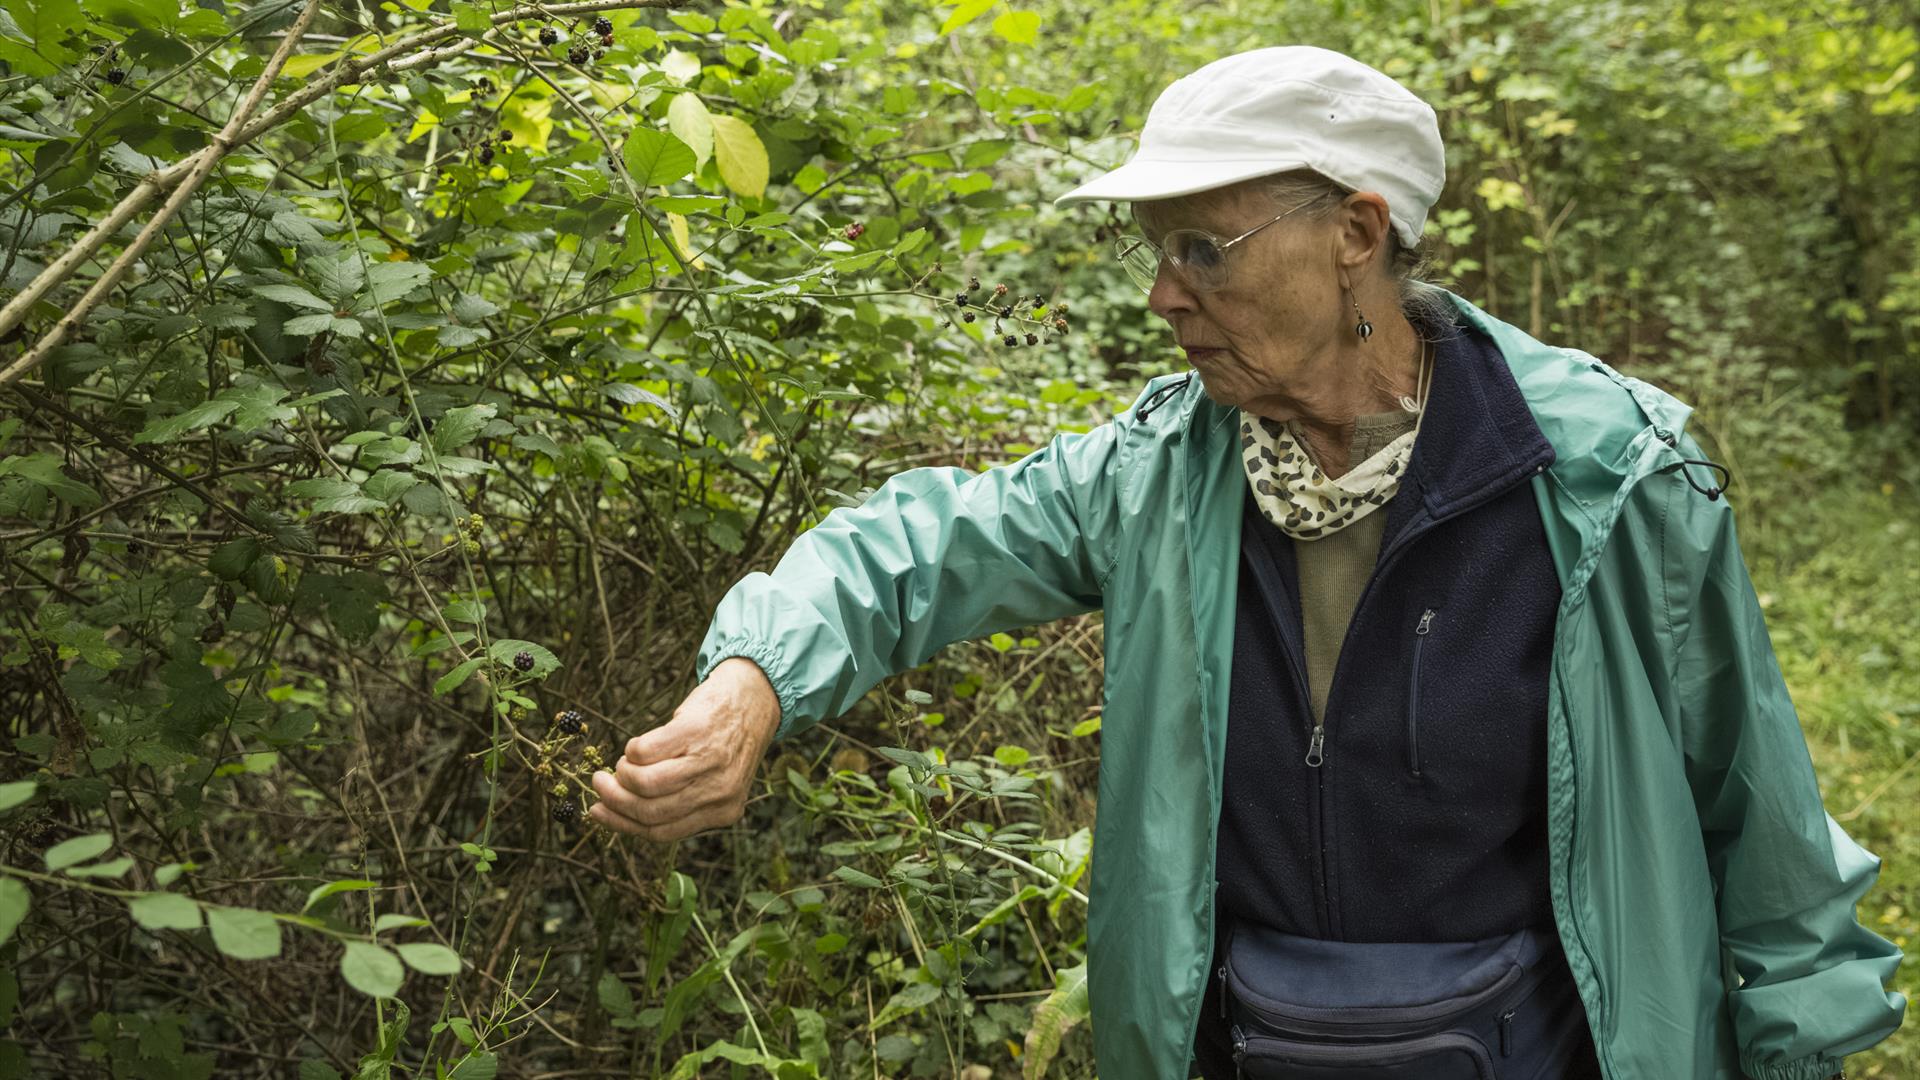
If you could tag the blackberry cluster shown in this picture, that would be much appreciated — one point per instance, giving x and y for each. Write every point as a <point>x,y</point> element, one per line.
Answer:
<point>116,76</point>
<point>578,55</point>
<point>603,26</point>
<point>999,307</point>
<point>566,811</point>
<point>523,661</point>
<point>569,722</point>
<point>549,36</point>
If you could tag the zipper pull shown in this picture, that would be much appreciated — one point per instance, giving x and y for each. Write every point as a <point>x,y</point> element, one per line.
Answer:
<point>1239,1048</point>
<point>1506,1033</point>
<point>1426,618</point>
<point>1223,991</point>
<point>1314,757</point>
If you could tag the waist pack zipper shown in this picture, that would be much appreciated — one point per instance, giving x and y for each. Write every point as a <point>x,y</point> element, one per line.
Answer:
<point>1506,1033</point>
<point>1413,693</point>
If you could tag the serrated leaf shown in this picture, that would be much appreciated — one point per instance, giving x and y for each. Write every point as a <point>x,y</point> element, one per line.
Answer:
<point>14,902</point>
<point>429,958</point>
<point>165,911</point>
<point>389,281</point>
<point>292,294</point>
<point>1065,1007</point>
<point>741,155</point>
<point>371,969</point>
<point>457,427</point>
<point>389,484</point>
<point>46,471</point>
<point>656,158</point>
<point>544,662</point>
<point>243,933</point>
<point>911,1000</point>
<point>231,559</point>
<point>692,124</point>
<point>348,504</point>
<point>308,325</point>
<point>77,850</point>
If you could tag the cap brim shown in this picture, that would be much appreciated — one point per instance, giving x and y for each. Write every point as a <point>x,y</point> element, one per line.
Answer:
<point>1139,180</point>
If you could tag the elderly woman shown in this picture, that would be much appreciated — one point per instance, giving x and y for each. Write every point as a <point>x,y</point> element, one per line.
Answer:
<point>1443,734</point>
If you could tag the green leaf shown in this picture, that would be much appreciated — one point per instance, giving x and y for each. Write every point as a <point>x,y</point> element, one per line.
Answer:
<point>1065,1007</point>
<point>452,679</point>
<point>692,124</point>
<point>371,969</point>
<point>1019,27</point>
<point>112,868</point>
<point>165,911</point>
<point>292,294</point>
<point>243,933</point>
<point>680,67</point>
<point>395,921</point>
<point>77,850</point>
<point>389,281</point>
<point>544,662</point>
<point>202,415</point>
<point>1012,756</point>
<point>231,559</point>
<point>334,887</point>
<point>968,11</point>
<point>855,877</point>
<point>911,1000</point>
<point>429,958</point>
<point>14,902</point>
<point>471,19</point>
<point>45,470</point>
<point>655,158</point>
<point>458,427</point>
<point>321,487</point>
<point>741,155</point>
<point>614,995</point>
<point>12,795</point>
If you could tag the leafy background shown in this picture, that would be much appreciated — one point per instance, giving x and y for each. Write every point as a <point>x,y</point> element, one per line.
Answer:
<point>453,397</point>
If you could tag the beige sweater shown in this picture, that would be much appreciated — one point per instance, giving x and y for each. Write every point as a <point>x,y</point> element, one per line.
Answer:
<point>1335,568</point>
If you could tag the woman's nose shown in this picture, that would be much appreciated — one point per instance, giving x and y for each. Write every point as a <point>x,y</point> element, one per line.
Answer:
<point>1169,294</point>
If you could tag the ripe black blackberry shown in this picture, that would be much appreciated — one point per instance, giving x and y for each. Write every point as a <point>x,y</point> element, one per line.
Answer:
<point>960,298</point>
<point>486,154</point>
<point>549,36</point>
<point>1007,312</point>
<point>1033,339</point>
<point>566,811</point>
<point>569,722</point>
<point>1011,340</point>
<point>967,317</point>
<point>523,660</point>
<point>578,54</point>
<point>116,76</point>
<point>603,26</point>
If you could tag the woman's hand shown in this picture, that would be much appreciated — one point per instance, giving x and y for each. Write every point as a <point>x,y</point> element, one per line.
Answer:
<point>692,773</point>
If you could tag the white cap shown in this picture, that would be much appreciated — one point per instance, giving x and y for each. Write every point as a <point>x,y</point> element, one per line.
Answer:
<point>1281,108</point>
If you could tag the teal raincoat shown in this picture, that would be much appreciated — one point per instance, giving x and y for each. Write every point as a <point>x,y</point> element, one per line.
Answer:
<point>1704,897</point>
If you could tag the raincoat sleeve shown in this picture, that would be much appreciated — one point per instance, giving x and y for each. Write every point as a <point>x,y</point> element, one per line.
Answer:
<point>936,555</point>
<point>1811,978</point>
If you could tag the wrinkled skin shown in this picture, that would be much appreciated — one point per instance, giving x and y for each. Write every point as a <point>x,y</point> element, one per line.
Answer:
<point>693,772</point>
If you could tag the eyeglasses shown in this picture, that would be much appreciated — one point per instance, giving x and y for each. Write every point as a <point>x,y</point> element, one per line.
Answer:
<point>1198,256</point>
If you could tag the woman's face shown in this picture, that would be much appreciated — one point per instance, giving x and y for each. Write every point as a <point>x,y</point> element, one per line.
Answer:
<point>1278,322</point>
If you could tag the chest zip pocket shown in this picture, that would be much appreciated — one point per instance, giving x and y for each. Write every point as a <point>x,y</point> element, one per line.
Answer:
<point>1420,633</point>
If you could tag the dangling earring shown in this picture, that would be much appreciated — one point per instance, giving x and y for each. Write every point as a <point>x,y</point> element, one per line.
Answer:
<point>1364,328</point>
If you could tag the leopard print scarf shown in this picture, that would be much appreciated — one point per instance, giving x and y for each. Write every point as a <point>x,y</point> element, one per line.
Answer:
<point>1306,503</point>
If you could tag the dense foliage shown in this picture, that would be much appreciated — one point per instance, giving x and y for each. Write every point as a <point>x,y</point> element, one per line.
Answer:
<point>388,393</point>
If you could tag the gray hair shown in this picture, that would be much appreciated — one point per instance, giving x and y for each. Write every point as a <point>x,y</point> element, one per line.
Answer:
<point>1423,303</point>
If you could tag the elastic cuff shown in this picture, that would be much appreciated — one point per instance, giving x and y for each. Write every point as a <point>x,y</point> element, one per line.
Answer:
<point>1813,1068</point>
<point>767,658</point>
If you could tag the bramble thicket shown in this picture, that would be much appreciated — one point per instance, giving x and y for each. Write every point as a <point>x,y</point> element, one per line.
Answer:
<point>389,391</point>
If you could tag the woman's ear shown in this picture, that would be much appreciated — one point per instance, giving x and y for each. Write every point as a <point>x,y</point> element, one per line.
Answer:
<point>1364,225</point>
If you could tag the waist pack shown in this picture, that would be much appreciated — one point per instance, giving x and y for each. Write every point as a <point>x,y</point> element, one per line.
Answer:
<point>1504,1008</point>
